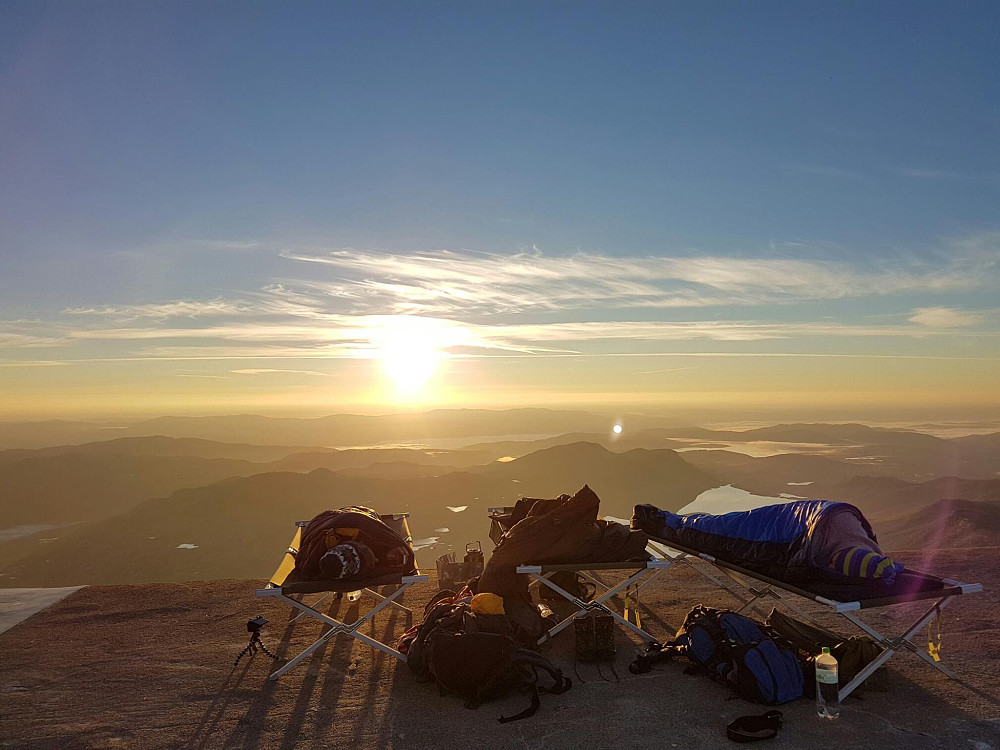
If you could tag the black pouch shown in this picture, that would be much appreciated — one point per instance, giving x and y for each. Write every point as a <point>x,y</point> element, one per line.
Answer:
<point>595,638</point>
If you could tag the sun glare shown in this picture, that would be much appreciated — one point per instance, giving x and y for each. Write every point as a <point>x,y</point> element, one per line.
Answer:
<point>411,353</point>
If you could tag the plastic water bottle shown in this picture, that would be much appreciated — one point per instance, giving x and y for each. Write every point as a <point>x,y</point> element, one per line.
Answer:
<point>827,686</point>
<point>353,596</point>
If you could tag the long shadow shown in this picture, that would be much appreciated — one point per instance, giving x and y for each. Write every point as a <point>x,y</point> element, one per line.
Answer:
<point>319,663</point>
<point>217,708</point>
<point>249,731</point>
<point>323,677</point>
<point>383,662</point>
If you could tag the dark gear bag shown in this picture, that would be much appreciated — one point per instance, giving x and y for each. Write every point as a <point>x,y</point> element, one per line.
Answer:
<point>735,650</point>
<point>476,656</point>
<point>483,666</point>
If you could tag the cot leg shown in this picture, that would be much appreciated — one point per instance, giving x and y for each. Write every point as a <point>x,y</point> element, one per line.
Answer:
<point>392,601</point>
<point>596,605</point>
<point>315,604</point>
<point>891,645</point>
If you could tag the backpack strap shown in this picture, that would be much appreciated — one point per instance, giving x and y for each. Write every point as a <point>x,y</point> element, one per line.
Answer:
<point>753,728</point>
<point>536,661</point>
<point>529,711</point>
<point>524,657</point>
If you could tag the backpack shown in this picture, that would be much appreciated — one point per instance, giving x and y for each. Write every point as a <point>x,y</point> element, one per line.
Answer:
<point>852,654</point>
<point>735,650</point>
<point>477,657</point>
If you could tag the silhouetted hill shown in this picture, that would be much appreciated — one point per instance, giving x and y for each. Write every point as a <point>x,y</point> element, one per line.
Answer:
<point>651,438</point>
<point>398,470</point>
<point>159,445</point>
<point>988,444</point>
<point>621,480</point>
<point>356,458</point>
<point>353,429</point>
<point>770,475</point>
<point>43,433</point>
<point>884,497</point>
<point>73,487</point>
<point>820,433</point>
<point>946,523</point>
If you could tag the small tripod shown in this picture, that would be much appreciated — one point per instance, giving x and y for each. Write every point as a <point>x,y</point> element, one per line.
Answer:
<point>253,627</point>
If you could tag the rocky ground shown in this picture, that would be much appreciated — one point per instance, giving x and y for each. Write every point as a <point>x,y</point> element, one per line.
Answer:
<point>151,666</point>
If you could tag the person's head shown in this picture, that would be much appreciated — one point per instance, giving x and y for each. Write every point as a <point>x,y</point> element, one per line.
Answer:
<point>396,556</point>
<point>347,560</point>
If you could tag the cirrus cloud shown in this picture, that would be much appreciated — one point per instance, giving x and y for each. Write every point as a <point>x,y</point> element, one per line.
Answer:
<point>945,317</point>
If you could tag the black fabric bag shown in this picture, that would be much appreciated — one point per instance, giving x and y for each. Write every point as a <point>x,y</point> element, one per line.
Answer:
<point>477,657</point>
<point>484,666</point>
<point>852,654</point>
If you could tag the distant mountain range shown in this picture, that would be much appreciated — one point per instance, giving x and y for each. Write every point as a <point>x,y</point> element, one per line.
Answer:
<point>117,509</point>
<point>334,430</point>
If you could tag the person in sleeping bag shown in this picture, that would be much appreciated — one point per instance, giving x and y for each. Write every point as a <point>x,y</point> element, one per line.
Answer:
<point>351,543</point>
<point>800,540</point>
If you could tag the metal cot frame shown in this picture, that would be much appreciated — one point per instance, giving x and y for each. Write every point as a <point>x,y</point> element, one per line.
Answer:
<point>642,573</point>
<point>768,588</point>
<point>283,585</point>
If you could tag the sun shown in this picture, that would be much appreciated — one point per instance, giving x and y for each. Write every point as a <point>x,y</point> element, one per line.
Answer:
<point>411,353</point>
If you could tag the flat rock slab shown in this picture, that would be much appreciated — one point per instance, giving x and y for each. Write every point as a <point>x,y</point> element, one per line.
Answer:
<point>17,605</point>
<point>153,667</point>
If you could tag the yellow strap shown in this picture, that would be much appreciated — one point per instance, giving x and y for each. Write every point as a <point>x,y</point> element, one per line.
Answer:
<point>934,649</point>
<point>632,609</point>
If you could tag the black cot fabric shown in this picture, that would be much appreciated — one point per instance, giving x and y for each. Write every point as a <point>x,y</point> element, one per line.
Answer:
<point>910,585</point>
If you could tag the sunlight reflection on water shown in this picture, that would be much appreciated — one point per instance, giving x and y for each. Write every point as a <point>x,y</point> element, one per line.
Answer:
<point>728,499</point>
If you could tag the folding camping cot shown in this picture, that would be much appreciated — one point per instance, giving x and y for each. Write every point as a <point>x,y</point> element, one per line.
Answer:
<point>642,572</point>
<point>287,585</point>
<point>844,599</point>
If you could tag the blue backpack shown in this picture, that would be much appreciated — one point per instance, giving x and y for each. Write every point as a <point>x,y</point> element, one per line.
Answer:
<point>732,649</point>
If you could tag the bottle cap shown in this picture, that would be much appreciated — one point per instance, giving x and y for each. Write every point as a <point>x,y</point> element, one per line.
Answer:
<point>826,649</point>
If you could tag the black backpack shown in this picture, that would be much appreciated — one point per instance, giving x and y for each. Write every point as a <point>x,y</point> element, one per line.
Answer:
<point>735,650</point>
<point>478,657</point>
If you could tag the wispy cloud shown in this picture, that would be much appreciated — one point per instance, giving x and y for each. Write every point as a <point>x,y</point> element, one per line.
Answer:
<point>448,283</point>
<point>945,317</point>
<point>348,303</point>
<point>272,370</point>
<point>163,310</point>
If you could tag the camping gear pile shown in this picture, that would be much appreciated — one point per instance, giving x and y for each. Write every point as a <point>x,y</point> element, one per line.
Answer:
<point>479,640</point>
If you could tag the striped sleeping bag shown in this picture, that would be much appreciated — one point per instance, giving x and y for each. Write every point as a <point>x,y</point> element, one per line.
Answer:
<point>796,541</point>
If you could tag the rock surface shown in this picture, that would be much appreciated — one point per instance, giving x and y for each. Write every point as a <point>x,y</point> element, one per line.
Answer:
<point>151,666</point>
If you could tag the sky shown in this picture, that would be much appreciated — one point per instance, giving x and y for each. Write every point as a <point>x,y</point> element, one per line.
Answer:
<point>324,207</point>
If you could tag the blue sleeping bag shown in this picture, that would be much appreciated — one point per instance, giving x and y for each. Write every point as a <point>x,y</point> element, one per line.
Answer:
<point>773,540</point>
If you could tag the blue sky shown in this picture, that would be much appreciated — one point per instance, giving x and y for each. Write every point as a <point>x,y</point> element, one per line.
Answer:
<point>195,183</point>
